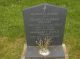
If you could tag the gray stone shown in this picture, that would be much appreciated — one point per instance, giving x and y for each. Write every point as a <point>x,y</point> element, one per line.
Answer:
<point>25,53</point>
<point>56,52</point>
<point>42,21</point>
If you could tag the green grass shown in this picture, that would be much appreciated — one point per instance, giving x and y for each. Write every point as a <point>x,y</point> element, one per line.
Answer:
<point>12,35</point>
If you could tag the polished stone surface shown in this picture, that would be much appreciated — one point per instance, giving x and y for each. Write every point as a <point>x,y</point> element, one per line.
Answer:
<point>56,52</point>
<point>44,20</point>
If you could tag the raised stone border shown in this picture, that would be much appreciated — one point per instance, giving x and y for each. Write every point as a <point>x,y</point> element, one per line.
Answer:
<point>25,47</point>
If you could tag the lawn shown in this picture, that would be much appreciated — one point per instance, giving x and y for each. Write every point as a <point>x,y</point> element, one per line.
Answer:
<point>12,35</point>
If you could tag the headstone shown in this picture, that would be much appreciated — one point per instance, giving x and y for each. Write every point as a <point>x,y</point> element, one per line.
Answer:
<point>41,21</point>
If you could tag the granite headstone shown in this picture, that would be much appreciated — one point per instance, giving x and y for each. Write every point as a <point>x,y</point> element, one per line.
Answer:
<point>41,21</point>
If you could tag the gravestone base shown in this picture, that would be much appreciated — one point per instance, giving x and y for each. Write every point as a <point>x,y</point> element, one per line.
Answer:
<point>56,52</point>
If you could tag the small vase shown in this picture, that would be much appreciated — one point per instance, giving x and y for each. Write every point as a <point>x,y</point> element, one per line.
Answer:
<point>44,52</point>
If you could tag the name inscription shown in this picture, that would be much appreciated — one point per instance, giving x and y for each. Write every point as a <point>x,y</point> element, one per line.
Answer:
<point>43,25</point>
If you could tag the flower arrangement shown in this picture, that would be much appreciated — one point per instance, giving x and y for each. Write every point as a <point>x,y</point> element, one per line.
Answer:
<point>43,46</point>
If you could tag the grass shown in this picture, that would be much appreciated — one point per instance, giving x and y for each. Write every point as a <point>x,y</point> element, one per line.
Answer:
<point>12,35</point>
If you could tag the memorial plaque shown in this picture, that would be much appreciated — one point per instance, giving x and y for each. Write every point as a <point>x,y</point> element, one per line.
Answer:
<point>44,20</point>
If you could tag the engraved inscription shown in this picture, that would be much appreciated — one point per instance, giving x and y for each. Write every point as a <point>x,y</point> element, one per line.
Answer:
<point>44,21</point>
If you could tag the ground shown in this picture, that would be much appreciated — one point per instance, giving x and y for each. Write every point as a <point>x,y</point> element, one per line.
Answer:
<point>12,34</point>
